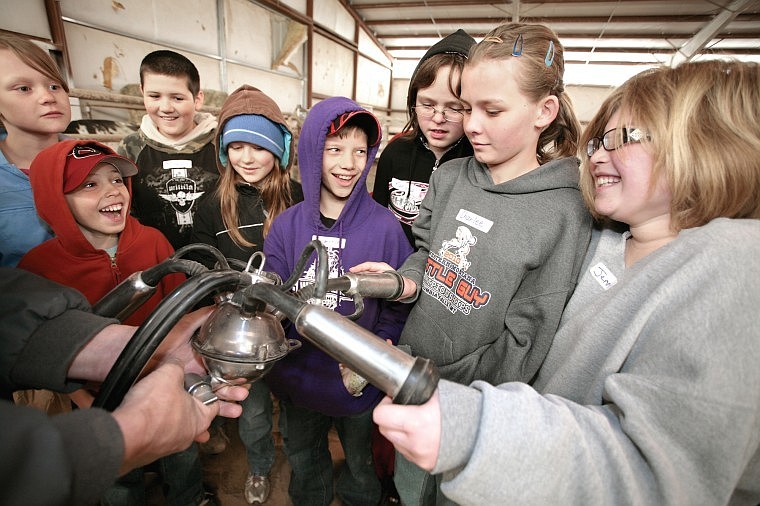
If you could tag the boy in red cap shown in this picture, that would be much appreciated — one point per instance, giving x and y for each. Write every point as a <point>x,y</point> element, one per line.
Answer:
<point>82,191</point>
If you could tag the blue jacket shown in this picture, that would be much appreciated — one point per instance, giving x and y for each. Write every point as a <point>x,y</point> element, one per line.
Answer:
<point>20,227</point>
<point>364,231</point>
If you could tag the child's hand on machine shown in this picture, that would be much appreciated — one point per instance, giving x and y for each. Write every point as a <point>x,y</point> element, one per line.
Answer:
<point>410,287</point>
<point>415,431</point>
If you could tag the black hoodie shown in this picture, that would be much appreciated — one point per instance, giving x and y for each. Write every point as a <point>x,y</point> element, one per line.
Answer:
<point>405,166</point>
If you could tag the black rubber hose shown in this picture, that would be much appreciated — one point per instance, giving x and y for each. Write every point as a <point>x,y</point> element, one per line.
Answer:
<point>259,293</point>
<point>155,274</point>
<point>126,297</point>
<point>207,248</point>
<point>155,328</point>
<point>340,284</point>
<point>322,271</point>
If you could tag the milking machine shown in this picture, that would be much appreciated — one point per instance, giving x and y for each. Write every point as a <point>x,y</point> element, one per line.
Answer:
<point>243,338</point>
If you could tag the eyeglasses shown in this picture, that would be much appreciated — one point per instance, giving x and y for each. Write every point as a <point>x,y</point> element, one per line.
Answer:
<point>80,152</point>
<point>614,139</point>
<point>449,114</point>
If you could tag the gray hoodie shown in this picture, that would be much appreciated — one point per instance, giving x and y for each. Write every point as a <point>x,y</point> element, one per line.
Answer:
<point>496,265</point>
<point>650,394</point>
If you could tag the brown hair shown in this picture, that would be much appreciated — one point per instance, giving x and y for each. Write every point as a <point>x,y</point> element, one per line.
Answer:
<point>275,196</point>
<point>542,67</point>
<point>425,76</point>
<point>33,56</point>
<point>702,119</point>
<point>170,63</point>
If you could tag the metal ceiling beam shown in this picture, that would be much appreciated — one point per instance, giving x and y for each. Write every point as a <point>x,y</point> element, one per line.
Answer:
<point>560,19</point>
<point>708,32</point>
<point>402,5</point>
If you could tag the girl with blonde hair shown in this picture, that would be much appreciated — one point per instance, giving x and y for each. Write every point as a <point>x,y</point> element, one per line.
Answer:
<point>254,154</point>
<point>489,311</point>
<point>34,110</point>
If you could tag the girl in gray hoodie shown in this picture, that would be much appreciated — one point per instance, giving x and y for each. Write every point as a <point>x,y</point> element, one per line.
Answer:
<point>501,235</point>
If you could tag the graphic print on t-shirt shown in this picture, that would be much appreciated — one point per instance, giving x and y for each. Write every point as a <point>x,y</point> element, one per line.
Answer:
<point>446,277</point>
<point>333,245</point>
<point>405,199</point>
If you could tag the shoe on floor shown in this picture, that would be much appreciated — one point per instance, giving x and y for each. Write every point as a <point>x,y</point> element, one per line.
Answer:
<point>257,489</point>
<point>216,444</point>
<point>209,499</point>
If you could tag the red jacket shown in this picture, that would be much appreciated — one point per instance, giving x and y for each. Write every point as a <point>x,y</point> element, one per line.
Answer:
<point>71,260</point>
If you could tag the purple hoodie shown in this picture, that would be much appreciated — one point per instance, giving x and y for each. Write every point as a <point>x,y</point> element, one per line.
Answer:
<point>364,231</point>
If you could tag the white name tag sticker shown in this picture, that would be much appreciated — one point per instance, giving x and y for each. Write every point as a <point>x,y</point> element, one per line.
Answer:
<point>475,221</point>
<point>603,276</point>
<point>177,164</point>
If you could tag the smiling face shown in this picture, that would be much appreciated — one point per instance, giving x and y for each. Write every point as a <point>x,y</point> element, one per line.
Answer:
<point>251,162</point>
<point>501,122</point>
<point>623,185</point>
<point>170,104</point>
<point>30,103</point>
<point>440,134</point>
<point>343,160</point>
<point>100,206</point>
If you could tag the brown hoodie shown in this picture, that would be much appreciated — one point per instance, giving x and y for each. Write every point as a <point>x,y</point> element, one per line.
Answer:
<point>250,100</point>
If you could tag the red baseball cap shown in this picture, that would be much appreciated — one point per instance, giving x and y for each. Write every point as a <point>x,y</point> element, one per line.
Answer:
<point>84,157</point>
<point>361,118</point>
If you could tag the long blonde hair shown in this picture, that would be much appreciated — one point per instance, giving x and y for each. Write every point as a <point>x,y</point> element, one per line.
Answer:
<point>542,67</point>
<point>275,196</point>
<point>703,122</point>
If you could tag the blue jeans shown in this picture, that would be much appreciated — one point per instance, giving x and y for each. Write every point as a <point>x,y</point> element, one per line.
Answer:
<point>182,478</point>
<point>305,437</point>
<point>417,487</point>
<point>255,429</point>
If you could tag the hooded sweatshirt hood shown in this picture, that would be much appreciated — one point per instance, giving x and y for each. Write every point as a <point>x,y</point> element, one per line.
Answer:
<point>47,177</point>
<point>553,175</point>
<point>311,145</point>
<point>250,100</point>
<point>69,258</point>
<point>202,134</point>
<point>458,42</point>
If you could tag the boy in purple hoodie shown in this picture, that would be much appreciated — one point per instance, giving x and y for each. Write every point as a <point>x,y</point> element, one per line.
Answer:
<point>338,143</point>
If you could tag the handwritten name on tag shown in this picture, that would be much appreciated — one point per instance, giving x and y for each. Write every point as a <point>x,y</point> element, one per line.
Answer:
<point>475,221</point>
<point>603,276</point>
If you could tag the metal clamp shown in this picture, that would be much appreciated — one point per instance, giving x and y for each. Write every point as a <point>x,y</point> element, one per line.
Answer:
<point>200,388</point>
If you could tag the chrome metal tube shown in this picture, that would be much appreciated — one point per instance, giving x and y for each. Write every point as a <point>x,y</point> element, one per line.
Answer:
<point>384,285</point>
<point>406,379</point>
<point>124,298</point>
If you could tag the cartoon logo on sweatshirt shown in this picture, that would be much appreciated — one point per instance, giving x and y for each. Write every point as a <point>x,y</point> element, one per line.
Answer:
<point>333,245</point>
<point>405,199</point>
<point>446,277</point>
<point>180,191</point>
<point>457,249</point>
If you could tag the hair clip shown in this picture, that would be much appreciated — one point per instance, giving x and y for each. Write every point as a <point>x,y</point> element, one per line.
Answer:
<point>494,39</point>
<point>549,58</point>
<point>517,49</point>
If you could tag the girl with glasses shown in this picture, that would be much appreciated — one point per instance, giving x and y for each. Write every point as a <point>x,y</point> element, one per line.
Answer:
<point>433,134</point>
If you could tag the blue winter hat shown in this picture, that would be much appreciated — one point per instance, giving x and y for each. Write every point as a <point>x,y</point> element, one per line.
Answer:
<point>258,130</point>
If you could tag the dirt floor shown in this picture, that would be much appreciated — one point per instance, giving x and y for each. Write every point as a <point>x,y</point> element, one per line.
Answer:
<point>225,473</point>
